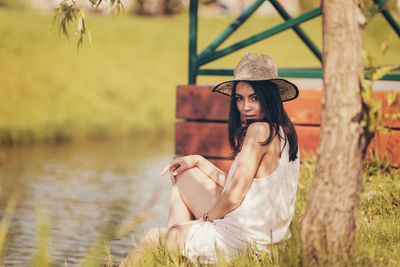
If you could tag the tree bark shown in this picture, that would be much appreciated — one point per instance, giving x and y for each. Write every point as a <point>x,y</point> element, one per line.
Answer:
<point>327,230</point>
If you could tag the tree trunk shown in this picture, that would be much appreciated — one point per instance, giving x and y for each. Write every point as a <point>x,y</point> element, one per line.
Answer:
<point>327,230</point>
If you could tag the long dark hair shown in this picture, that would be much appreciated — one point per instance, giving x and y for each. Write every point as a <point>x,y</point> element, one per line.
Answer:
<point>270,101</point>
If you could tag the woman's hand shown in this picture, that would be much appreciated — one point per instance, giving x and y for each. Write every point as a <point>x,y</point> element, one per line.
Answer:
<point>179,165</point>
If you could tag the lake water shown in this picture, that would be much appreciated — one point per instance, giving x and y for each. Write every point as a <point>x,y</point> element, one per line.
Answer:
<point>86,189</point>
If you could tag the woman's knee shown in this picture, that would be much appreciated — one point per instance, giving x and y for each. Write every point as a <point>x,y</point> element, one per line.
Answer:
<point>195,178</point>
<point>192,172</point>
<point>186,178</point>
<point>198,191</point>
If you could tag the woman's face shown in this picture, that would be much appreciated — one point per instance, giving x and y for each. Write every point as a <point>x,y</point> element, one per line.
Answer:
<point>247,102</point>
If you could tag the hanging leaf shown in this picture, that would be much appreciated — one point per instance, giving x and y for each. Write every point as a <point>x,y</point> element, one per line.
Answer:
<point>366,90</point>
<point>374,119</point>
<point>381,71</point>
<point>90,37</point>
<point>391,97</point>
<point>384,47</point>
<point>79,25</point>
<point>68,12</point>
<point>366,57</point>
<point>396,116</point>
<point>119,7</point>
<point>98,3</point>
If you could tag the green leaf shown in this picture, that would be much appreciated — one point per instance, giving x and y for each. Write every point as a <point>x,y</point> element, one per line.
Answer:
<point>366,92</point>
<point>384,47</point>
<point>391,98</point>
<point>79,25</point>
<point>366,58</point>
<point>381,71</point>
<point>82,13</point>
<point>396,116</point>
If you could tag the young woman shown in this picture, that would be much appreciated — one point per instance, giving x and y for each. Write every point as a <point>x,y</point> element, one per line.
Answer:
<point>254,203</point>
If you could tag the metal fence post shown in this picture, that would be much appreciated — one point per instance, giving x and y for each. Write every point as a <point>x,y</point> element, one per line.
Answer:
<point>193,41</point>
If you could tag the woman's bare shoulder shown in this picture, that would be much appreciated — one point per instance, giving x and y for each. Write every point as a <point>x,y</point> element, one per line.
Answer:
<point>258,130</point>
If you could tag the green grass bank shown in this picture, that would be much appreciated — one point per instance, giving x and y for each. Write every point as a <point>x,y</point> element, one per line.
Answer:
<point>124,83</point>
<point>377,230</point>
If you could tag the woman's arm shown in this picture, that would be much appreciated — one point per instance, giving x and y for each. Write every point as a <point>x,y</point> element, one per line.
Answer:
<point>250,157</point>
<point>181,164</point>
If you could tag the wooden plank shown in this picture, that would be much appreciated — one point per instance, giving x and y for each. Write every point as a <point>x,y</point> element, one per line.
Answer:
<point>210,139</point>
<point>384,147</point>
<point>388,146</point>
<point>306,108</point>
<point>394,108</point>
<point>199,103</point>
<point>308,139</point>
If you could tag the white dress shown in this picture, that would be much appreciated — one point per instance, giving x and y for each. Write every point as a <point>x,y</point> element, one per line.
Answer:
<point>263,218</point>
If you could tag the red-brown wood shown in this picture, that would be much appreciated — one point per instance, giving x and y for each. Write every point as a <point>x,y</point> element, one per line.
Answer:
<point>394,108</point>
<point>388,146</point>
<point>210,139</point>
<point>208,136</point>
<point>306,108</point>
<point>199,103</point>
<point>308,139</point>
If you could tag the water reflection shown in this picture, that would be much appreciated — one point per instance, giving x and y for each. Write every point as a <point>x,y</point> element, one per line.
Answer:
<point>83,186</point>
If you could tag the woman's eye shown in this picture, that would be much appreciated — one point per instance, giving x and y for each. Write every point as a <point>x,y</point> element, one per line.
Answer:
<point>254,98</point>
<point>238,98</point>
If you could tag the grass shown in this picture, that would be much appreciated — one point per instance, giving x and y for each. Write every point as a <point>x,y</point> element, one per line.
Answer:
<point>125,82</point>
<point>377,234</point>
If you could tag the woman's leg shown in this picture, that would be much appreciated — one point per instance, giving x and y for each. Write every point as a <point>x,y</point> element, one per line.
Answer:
<point>197,191</point>
<point>178,212</point>
<point>192,195</point>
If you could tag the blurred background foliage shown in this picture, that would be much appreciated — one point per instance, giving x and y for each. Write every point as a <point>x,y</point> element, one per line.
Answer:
<point>13,3</point>
<point>124,83</point>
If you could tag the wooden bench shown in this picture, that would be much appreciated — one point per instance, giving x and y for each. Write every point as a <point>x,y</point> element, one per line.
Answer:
<point>202,122</point>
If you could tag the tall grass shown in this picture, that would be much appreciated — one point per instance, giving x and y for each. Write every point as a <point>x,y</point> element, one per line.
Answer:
<point>125,82</point>
<point>377,234</point>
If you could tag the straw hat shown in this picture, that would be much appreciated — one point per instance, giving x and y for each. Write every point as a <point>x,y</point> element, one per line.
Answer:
<point>257,67</point>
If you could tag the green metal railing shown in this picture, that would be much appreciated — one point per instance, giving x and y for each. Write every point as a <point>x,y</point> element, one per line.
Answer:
<point>210,53</point>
